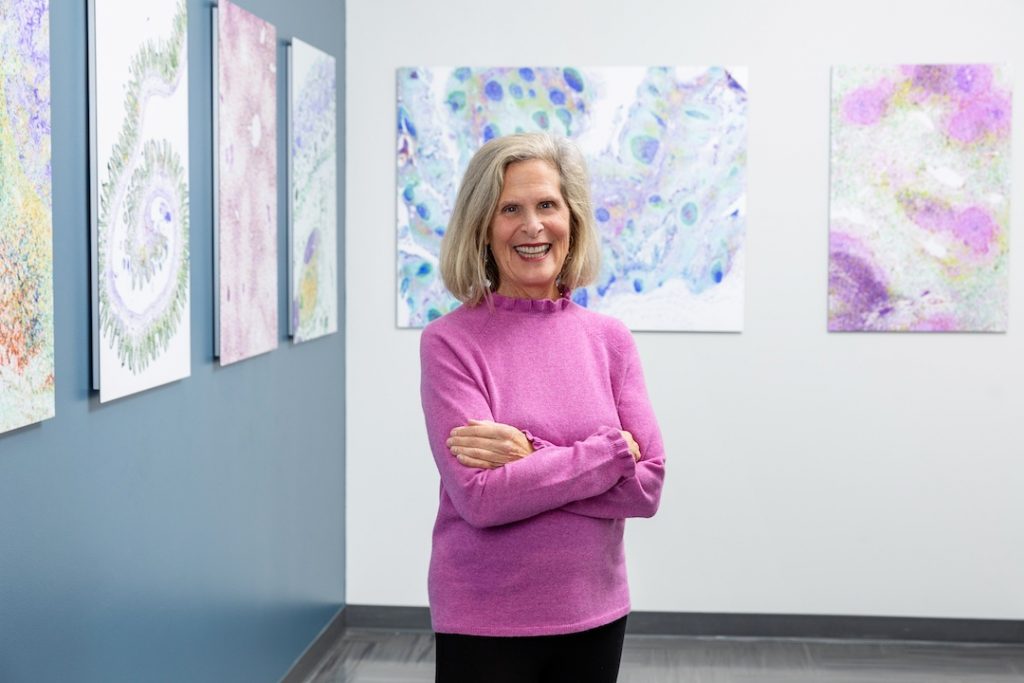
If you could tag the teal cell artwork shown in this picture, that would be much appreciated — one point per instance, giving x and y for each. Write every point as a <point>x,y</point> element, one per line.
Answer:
<point>919,219</point>
<point>666,149</point>
<point>140,178</point>
<point>26,232</point>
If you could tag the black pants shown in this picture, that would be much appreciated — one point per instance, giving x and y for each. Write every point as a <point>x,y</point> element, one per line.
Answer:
<point>585,657</point>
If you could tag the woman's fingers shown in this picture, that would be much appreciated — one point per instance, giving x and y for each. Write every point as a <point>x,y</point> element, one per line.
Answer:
<point>492,429</point>
<point>634,447</point>
<point>495,436</point>
<point>473,462</point>
<point>486,455</point>
<point>475,441</point>
<point>498,445</point>
<point>482,428</point>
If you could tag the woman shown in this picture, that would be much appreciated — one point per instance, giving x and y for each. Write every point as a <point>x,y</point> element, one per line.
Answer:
<point>540,426</point>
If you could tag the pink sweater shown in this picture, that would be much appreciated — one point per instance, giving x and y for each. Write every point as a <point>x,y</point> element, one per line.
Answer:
<point>535,547</point>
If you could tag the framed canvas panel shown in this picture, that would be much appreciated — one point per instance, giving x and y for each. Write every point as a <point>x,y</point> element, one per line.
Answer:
<point>666,149</point>
<point>26,224</point>
<point>245,182</point>
<point>313,201</point>
<point>140,224</point>
<point>919,218</point>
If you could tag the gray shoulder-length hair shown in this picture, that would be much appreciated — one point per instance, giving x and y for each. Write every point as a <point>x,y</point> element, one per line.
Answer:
<point>467,266</point>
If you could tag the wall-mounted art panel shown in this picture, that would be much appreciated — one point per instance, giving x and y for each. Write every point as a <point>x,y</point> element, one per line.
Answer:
<point>313,197</point>
<point>920,200</point>
<point>139,111</point>
<point>666,149</point>
<point>26,239</point>
<point>246,184</point>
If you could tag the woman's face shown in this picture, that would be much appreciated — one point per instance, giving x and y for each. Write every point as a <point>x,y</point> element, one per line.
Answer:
<point>529,232</point>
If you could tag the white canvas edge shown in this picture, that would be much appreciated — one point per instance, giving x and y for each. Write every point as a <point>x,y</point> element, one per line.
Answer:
<point>290,251</point>
<point>215,88</point>
<point>400,308</point>
<point>94,198</point>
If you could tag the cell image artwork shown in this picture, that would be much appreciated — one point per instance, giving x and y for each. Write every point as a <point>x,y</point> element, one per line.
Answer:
<point>920,200</point>
<point>666,149</point>
<point>26,233</point>
<point>314,194</point>
<point>247,184</point>
<point>141,238</point>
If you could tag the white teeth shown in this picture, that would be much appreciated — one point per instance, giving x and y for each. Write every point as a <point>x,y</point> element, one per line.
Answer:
<point>533,251</point>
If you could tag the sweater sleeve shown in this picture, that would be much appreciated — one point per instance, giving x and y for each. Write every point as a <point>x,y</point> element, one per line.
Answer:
<point>547,479</point>
<point>640,494</point>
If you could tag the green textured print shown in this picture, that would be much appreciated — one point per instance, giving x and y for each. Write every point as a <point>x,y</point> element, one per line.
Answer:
<point>146,190</point>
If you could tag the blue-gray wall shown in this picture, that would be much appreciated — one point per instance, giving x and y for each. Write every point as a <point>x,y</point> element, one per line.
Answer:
<point>193,532</point>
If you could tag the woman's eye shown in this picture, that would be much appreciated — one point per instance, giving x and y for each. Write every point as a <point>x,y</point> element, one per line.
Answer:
<point>547,205</point>
<point>510,209</point>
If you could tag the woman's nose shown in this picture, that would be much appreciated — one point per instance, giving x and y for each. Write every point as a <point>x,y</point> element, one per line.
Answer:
<point>531,223</point>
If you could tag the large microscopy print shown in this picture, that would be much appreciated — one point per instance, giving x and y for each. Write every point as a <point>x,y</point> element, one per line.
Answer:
<point>26,227</point>
<point>919,221</point>
<point>246,179</point>
<point>667,154</point>
<point>139,107</point>
<point>313,210</point>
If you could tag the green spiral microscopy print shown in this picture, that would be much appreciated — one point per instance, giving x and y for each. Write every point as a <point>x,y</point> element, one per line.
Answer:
<point>143,231</point>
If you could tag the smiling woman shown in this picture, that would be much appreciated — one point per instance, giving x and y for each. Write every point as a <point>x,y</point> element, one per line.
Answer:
<point>540,427</point>
<point>529,233</point>
<point>509,183</point>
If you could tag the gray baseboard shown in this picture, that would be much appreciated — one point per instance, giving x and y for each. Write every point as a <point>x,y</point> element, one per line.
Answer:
<point>826,626</point>
<point>696,624</point>
<point>749,625</point>
<point>388,617</point>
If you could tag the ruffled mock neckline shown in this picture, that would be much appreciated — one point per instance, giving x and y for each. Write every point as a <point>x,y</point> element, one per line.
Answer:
<point>508,303</point>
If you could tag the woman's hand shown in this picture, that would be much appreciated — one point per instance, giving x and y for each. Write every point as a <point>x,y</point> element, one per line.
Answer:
<point>634,448</point>
<point>486,445</point>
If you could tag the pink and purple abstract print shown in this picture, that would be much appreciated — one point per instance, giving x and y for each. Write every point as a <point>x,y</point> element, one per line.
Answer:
<point>247,190</point>
<point>920,205</point>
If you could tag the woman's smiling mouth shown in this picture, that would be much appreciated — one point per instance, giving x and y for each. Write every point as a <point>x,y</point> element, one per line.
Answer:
<point>533,252</point>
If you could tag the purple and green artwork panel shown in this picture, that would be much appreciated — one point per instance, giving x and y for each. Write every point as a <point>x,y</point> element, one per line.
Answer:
<point>26,232</point>
<point>920,198</point>
<point>313,290</point>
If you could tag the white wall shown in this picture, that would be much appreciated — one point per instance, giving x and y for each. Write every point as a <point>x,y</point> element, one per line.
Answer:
<point>808,472</point>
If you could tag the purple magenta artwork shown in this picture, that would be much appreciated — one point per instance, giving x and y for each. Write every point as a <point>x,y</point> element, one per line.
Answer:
<point>247,184</point>
<point>920,201</point>
<point>666,150</point>
<point>26,234</point>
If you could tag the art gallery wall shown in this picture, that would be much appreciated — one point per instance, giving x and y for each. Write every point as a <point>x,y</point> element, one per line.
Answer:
<point>195,531</point>
<point>807,472</point>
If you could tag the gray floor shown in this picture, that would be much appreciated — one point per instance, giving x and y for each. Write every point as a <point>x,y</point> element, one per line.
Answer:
<point>365,655</point>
